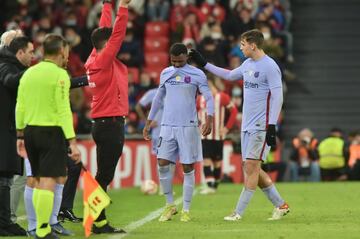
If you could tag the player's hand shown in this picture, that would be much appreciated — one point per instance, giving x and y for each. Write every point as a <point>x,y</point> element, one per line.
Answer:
<point>124,2</point>
<point>271,135</point>
<point>74,152</point>
<point>146,131</point>
<point>195,56</point>
<point>20,146</point>
<point>224,131</point>
<point>207,127</point>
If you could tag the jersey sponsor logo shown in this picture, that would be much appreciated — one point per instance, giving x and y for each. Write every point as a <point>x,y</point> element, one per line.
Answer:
<point>172,82</point>
<point>187,79</point>
<point>249,84</point>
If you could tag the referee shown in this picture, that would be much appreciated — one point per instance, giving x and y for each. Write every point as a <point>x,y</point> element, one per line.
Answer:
<point>44,121</point>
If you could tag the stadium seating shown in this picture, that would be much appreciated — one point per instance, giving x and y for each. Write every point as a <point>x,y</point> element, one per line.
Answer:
<point>157,29</point>
<point>157,59</point>
<point>156,44</point>
<point>134,73</point>
<point>154,73</point>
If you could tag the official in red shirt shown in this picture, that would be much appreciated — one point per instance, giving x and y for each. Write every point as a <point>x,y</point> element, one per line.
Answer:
<point>108,81</point>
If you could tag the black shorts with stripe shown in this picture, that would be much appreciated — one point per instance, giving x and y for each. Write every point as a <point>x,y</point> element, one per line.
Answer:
<point>46,150</point>
<point>213,149</point>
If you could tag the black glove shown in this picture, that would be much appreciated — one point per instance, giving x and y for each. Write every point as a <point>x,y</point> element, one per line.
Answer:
<point>271,135</point>
<point>79,81</point>
<point>197,58</point>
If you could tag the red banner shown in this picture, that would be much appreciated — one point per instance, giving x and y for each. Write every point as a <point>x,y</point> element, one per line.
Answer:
<point>137,164</point>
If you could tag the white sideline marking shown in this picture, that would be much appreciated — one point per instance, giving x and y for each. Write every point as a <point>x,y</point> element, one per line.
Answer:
<point>151,216</point>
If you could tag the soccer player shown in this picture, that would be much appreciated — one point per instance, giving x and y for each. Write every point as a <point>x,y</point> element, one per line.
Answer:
<point>179,134</point>
<point>213,144</point>
<point>108,82</point>
<point>144,102</point>
<point>262,104</point>
<point>44,122</point>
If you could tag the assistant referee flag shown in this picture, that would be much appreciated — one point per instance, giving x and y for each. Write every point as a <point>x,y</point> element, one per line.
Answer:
<point>95,200</point>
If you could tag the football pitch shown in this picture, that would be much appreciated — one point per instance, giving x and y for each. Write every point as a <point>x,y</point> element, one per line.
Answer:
<point>318,210</point>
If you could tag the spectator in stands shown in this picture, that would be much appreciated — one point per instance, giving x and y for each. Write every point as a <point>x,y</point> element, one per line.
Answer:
<point>206,27</point>
<point>271,45</point>
<point>191,27</point>
<point>304,157</point>
<point>93,17</point>
<point>131,52</point>
<point>138,6</point>
<point>158,10</point>
<point>211,51</point>
<point>75,64</point>
<point>276,19</point>
<point>333,154</point>
<point>212,7</point>
<point>238,22</point>
<point>354,157</point>
<point>136,22</point>
<point>179,11</point>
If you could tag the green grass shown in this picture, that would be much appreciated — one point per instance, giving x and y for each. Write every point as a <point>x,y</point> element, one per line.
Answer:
<point>318,210</point>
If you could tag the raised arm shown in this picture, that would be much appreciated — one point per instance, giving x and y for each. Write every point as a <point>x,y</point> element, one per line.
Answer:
<point>105,18</point>
<point>112,47</point>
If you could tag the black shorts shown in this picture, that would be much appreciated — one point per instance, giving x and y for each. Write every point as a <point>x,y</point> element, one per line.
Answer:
<point>46,150</point>
<point>213,149</point>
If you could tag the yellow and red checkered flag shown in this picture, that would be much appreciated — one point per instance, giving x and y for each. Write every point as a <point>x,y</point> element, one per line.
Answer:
<point>95,200</point>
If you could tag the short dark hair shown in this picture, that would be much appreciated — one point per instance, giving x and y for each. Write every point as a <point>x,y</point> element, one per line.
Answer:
<point>336,130</point>
<point>99,36</point>
<point>254,36</point>
<point>177,49</point>
<point>19,43</point>
<point>53,43</point>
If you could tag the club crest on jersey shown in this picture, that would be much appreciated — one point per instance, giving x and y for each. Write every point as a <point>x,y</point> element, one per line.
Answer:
<point>178,78</point>
<point>256,74</point>
<point>251,73</point>
<point>187,79</point>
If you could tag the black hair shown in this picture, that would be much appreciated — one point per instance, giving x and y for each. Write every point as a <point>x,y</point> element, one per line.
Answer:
<point>336,130</point>
<point>19,43</point>
<point>177,49</point>
<point>99,36</point>
<point>53,43</point>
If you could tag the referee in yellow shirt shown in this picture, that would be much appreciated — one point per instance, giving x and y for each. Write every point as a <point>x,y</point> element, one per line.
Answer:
<point>44,122</point>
